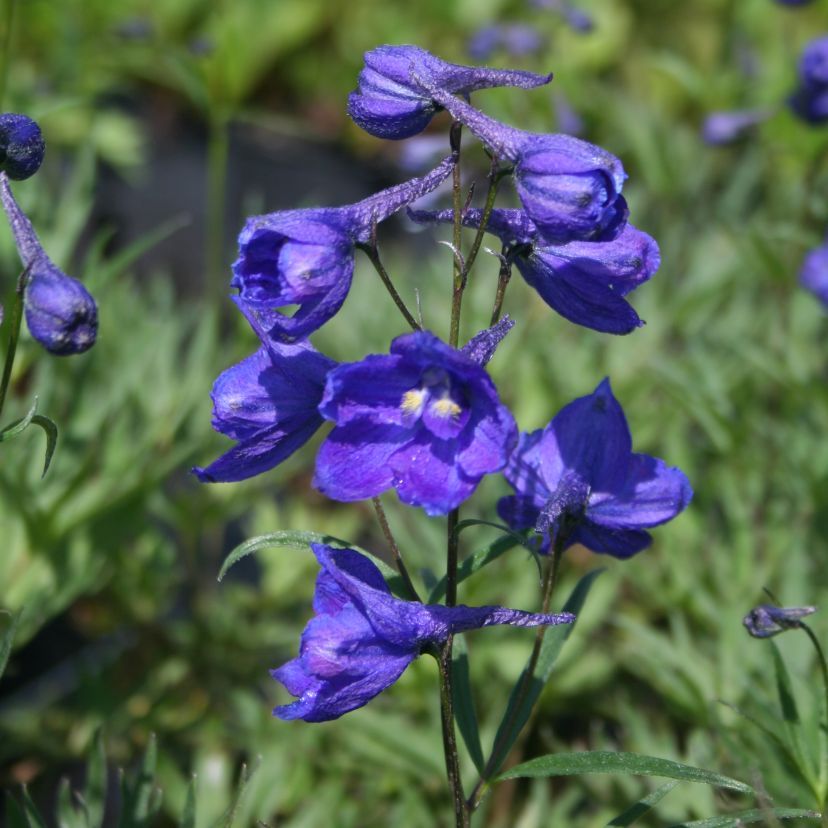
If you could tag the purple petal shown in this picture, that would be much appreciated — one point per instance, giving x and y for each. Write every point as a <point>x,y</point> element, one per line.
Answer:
<point>519,512</point>
<point>814,273</point>
<point>494,436</point>
<point>524,470</point>
<point>482,346</point>
<point>620,543</point>
<point>511,226</point>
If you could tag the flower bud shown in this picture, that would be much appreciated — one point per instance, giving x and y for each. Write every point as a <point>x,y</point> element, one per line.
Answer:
<point>21,146</point>
<point>767,620</point>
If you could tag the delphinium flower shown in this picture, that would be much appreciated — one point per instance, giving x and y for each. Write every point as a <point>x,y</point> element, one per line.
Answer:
<point>389,103</point>
<point>269,404</point>
<point>578,481</point>
<point>516,39</point>
<point>577,19</point>
<point>425,420</point>
<point>567,117</point>
<point>766,620</point>
<point>60,312</point>
<point>362,637</point>
<point>728,127</point>
<point>21,146</point>
<point>585,282</point>
<point>794,2</point>
<point>810,99</point>
<point>306,257</point>
<point>569,188</point>
<point>814,273</point>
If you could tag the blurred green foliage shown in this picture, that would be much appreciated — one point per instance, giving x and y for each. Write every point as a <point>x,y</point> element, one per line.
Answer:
<point>112,557</point>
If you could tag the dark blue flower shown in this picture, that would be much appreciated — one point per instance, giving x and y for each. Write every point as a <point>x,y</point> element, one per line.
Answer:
<point>814,273</point>
<point>21,146</point>
<point>569,188</point>
<point>810,99</point>
<point>389,103</point>
<point>578,480</point>
<point>268,403</point>
<point>585,282</point>
<point>362,637</point>
<point>305,258</point>
<point>577,19</point>
<point>516,39</point>
<point>425,420</point>
<point>721,128</point>
<point>60,312</point>
<point>767,620</point>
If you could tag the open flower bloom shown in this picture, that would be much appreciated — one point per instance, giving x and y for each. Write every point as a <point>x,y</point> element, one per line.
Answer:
<point>569,188</point>
<point>306,257</point>
<point>21,146</point>
<point>268,403</point>
<point>810,99</point>
<point>388,103</point>
<point>425,420</point>
<point>766,620</point>
<point>362,637</point>
<point>578,481</point>
<point>585,282</point>
<point>60,312</point>
<point>814,273</point>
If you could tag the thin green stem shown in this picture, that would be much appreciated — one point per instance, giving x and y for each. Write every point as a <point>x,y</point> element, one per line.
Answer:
<point>14,335</point>
<point>5,49</point>
<point>491,195</point>
<point>503,278</point>
<point>462,814</point>
<point>372,253</point>
<point>218,149</point>
<point>458,281</point>
<point>395,550</point>
<point>823,666</point>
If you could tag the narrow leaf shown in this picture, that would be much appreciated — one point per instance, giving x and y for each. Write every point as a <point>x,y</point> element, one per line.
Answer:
<point>51,432</point>
<point>33,817</point>
<point>226,820</point>
<point>784,688</point>
<point>520,703</point>
<point>643,806</point>
<point>69,815</point>
<point>294,539</point>
<point>464,712</point>
<point>19,426</point>
<point>745,817</point>
<point>188,817</point>
<point>7,641</point>
<point>607,761</point>
<point>139,800</point>
<point>95,794</point>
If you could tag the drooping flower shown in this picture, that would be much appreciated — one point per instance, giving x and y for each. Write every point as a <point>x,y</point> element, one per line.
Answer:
<point>722,128</point>
<point>60,312</point>
<point>21,146</point>
<point>362,638</point>
<point>569,188</point>
<point>425,420</point>
<point>389,103</point>
<point>767,620</point>
<point>516,39</point>
<point>814,273</point>
<point>578,481</point>
<point>585,282</point>
<point>810,99</point>
<point>268,403</point>
<point>306,257</point>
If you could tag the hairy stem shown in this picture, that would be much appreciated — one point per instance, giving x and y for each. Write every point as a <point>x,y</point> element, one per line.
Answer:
<point>462,814</point>
<point>491,195</point>
<point>503,279</point>
<point>14,335</point>
<point>372,253</point>
<point>395,550</point>
<point>458,281</point>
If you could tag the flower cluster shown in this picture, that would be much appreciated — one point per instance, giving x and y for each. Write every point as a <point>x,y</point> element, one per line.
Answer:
<point>810,99</point>
<point>426,419</point>
<point>60,312</point>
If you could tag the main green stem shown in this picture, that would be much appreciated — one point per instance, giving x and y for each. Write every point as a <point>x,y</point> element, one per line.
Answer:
<point>14,335</point>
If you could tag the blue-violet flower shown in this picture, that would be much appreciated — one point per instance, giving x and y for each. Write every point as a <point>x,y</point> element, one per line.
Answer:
<point>21,146</point>
<point>425,419</point>
<point>810,99</point>
<point>306,257</point>
<point>516,39</point>
<point>814,273</point>
<point>578,481</point>
<point>585,282</point>
<point>720,128</point>
<point>767,620</point>
<point>60,312</point>
<point>362,637</point>
<point>389,103</point>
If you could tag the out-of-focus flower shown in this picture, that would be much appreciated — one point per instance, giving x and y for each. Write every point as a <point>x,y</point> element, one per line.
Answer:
<point>425,420</point>
<point>727,127</point>
<point>516,39</point>
<point>306,257</point>
<point>21,146</point>
<point>362,638</point>
<point>585,282</point>
<point>60,312</point>
<point>814,273</point>
<point>810,98</point>
<point>794,2</point>
<point>569,121</point>
<point>569,188</point>
<point>577,19</point>
<point>390,103</point>
<point>767,620</point>
<point>268,403</point>
<point>578,481</point>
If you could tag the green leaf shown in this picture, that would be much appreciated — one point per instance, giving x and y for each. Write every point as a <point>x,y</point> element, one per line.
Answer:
<point>51,432</point>
<point>295,539</point>
<point>19,426</point>
<point>643,806</point>
<point>188,817</point>
<point>140,800</point>
<point>608,761</point>
<point>520,704</point>
<point>744,817</point>
<point>226,820</point>
<point>784,688</point>
<point>474,563</point>
<point>69,814</point>
<point>464,713</point>
<point>94,796</point>
<point>32,815</point>
<point>7,641</point>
